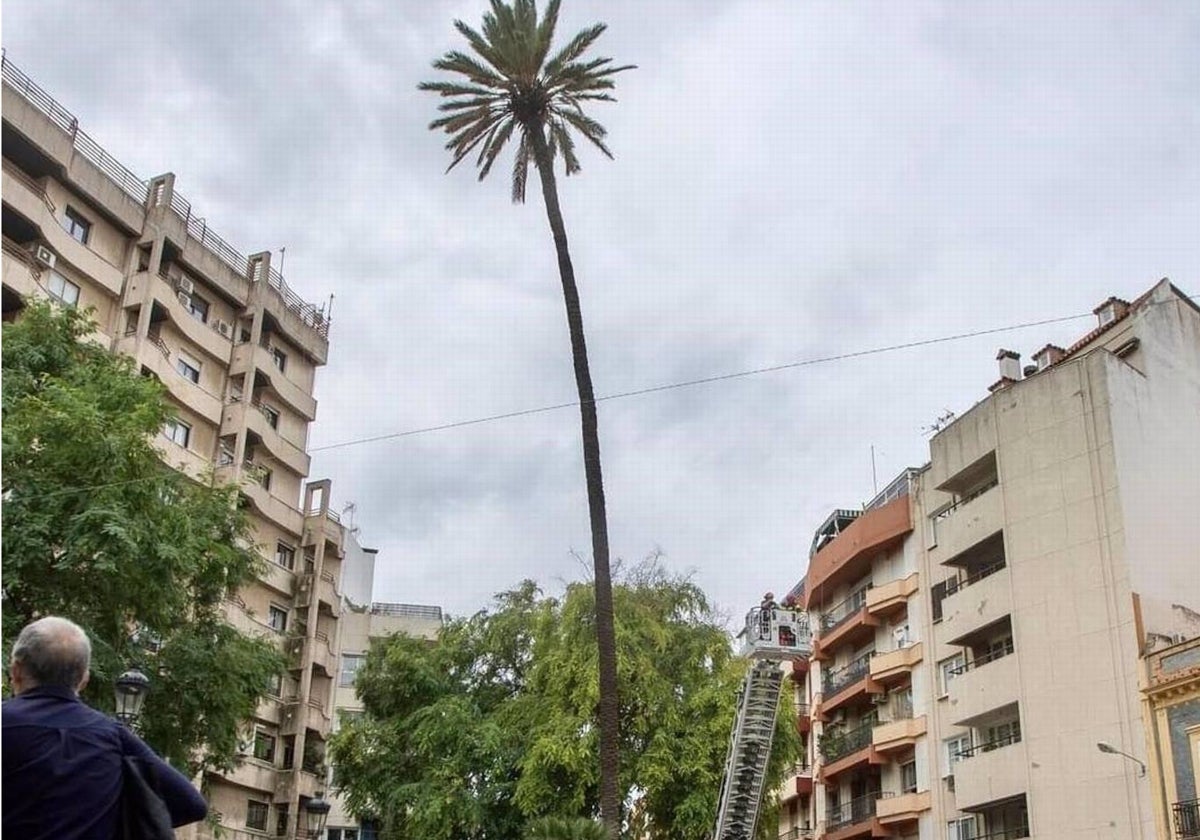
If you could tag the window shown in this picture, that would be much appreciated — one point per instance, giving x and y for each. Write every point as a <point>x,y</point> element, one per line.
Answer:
<point>998,648</point>
<point>938,593</point>
<point>277,618</point>
<point>343,834</point>
<point>189,368</point>
<point>949,669</point>
<point>198,307</point>
<point>279,358</point>
<point>62,289</point>
<point>954,749</point>
<point>281,820</point>
<point>908,777</point>
<point>264,746</point>
<point>962,829</point>
<point>275,685</point>
<point>79,227</point>
<point>289,752</point>
<point>351,662</point>
<point>264,478</point>
<point>256,815</point>
<point>178,431</point>
<point>285,555</point>
<point>1001,735</point>
<point>272,416</point>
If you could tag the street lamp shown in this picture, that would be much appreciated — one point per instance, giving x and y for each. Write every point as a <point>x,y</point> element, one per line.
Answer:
<point>1109,748</point>
<point>316,811</point>
<point>130,692</point>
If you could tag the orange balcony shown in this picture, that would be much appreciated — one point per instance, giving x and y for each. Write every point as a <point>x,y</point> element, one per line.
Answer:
<point>896,666</point>
<point>843,750</point>
<point>846,685</point>
<point>799,667</point>
<point>891,599</point>
<point>856,818</point>
<point>842,627</point>
<point>897,734</point>
<point>798,782</point>
<point>847,556</point>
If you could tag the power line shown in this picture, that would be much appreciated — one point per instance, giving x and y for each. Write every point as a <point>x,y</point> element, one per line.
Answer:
<point>701,381</point>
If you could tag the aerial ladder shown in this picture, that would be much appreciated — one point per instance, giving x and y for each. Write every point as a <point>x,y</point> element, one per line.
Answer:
<point>772,636</point>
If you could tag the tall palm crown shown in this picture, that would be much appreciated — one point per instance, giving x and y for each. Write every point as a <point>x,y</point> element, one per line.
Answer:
<point>512,86</point>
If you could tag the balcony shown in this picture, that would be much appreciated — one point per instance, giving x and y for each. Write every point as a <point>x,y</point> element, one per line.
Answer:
<point>1186,816</point>
<point>298,399</point>
<point>254,417</point>
<point>845,749</point>
<point>155,355</point>
<point>848,622</point>
<point>847,555</point>
<point>898,734</point>
<point>803,718</point>
<point>145,286</point>
<point>797,833</point>
<point>328,595</point>
<point>22,273</point>
<point>983,686</point>
<point>991,772</point>
<point>891,599</point>
<point>798,781</point>
<point>850,682</point>
<point>894,809</point>
<point>254,774</point>
<point>976,602</point>
<point>896,666</point>
<point>323,656</point>
<point>966,523</point>
<point>855,818</point>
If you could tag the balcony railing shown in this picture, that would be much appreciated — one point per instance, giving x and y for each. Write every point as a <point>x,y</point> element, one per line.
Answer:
<point>979,661</point>
<point>947,512</point>
<point>856,670</point>
<point>843,612</point>
<point>415,610</point>
<point>988,746</point>
<point>954,584</point>
<point>857,810</point>
<point>797,833</point>
<point>836,743</point>
<point>1013,833</point>
<point>1187,818</point>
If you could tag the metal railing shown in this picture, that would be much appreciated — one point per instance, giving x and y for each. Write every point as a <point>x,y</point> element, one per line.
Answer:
<point>857,810</point>
<point>1013,833</point>
<point>843,612</point>
<point>414,610</point>
<point>1186,815</point>
<point>954,584</point>
<point>32,93</point>
<point>990,656</point>
<point>950,510</point>
<point>851,673</point>
<point>988,746</point>
<point>836,743</point>
<point>30,184</point>
<point>797,833</point>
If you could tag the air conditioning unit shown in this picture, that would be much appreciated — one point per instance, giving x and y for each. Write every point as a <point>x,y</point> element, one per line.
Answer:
<point>224,328</point>
<point>44,255</point>
<point>184,285</point>
<point>185,299</point>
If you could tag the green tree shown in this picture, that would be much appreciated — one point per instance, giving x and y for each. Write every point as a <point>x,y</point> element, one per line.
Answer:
<point>512,85</point>
<point>494,726</point>
<point>98,529</point>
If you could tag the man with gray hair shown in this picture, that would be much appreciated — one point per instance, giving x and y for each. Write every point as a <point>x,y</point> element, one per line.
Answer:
<point>62,759</point>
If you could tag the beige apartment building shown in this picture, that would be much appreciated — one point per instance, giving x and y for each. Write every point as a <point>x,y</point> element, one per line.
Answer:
<point>237,350</point>
<point>363,621</point>
<point>981,626</point>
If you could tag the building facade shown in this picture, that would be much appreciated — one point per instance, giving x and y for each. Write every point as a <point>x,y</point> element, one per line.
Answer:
<point>1171,692</point>
<point>364,621</point>
<point>981,625</point>
<point>237,351</point>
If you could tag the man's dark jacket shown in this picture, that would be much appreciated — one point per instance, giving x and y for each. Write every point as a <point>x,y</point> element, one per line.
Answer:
<point>63,770</point>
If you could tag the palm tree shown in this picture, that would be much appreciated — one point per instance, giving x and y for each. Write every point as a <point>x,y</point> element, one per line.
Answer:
<point>512,85</point>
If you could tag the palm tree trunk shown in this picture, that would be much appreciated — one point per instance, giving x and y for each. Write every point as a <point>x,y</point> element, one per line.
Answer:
<point>606,642</point>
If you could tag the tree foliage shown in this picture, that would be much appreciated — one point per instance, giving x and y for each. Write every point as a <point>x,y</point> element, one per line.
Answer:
<point>98,529</point>
<point>495,725</point>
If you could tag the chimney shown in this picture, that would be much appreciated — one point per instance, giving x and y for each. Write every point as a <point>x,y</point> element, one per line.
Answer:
<point>1110,310</point>
<point>1010,365</point>
<point>1048,355</point>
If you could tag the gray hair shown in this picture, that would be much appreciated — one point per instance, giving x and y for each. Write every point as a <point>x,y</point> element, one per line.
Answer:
<point>53,651</point>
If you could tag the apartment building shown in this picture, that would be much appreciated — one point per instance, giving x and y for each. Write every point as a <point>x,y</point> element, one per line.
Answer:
<point>1171,698</point>
<point>237,351</point>
<point>362,622</point>
<point>981,624</point>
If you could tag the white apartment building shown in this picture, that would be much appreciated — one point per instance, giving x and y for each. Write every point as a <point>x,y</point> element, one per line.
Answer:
<point>981,625</point>
<point>237,351</point>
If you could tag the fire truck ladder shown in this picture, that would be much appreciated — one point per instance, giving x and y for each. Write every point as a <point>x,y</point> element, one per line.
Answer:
<point>779,636</point>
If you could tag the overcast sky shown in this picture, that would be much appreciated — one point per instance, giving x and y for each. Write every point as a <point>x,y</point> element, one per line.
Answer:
<point>792,180</point>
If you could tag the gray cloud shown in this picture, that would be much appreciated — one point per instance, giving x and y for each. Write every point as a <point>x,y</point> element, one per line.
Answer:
<point>790,182</point>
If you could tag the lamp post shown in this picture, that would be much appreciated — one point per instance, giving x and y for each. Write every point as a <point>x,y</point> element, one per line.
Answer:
<point>130,692</point>
<point>316,811</point>
<point>1105,747</point>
